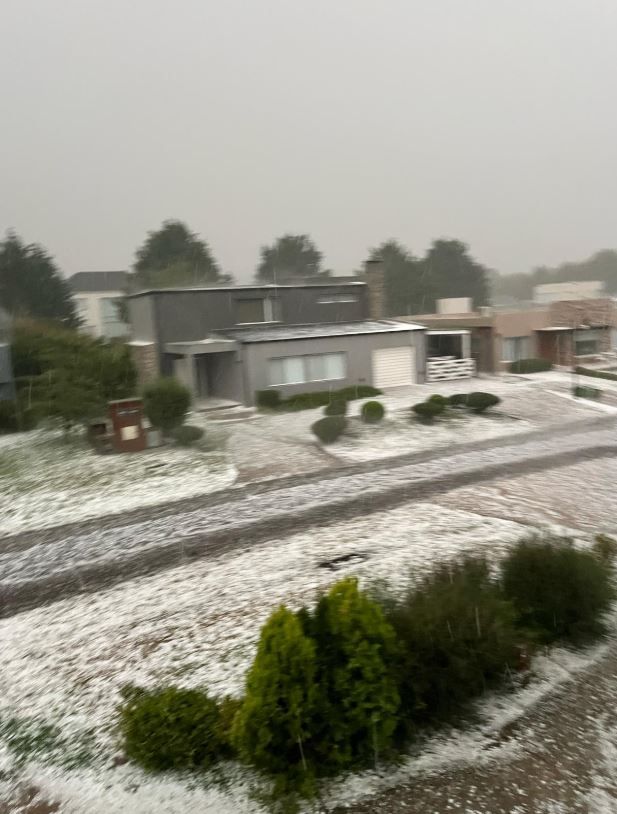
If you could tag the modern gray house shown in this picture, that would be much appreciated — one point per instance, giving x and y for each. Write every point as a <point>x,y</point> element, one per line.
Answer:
<point>228,343</point>
<point>7,387</point>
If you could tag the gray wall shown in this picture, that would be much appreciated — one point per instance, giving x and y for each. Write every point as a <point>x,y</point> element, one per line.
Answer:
<point>177,315</point>
<point>359,359</point>
<point>220,375</point>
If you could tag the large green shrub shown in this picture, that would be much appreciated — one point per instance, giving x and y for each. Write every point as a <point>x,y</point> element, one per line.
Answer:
<point>372,412</point>
<point>357,703</point>
<point>171,728</point>
<point>437,399</point>
<point>457,636</point>
<point>187,435</point>
<point>427,411</point>
<point>530,366</point>
<point>269,399</point>
<point>9,421</point>
<point>275,726</point>
<point>458,400</point>
<point>559,591</point>
<point>330,428</point>
<point>480,402</point>
<point>338,406</point>
<point>166,403</point>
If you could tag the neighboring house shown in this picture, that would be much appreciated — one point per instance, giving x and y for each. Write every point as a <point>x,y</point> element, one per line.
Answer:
<point>7,386</point>
<point>548,293</point>
<point>227,343</point>
<point>97,295</point>
<point>562,332</point>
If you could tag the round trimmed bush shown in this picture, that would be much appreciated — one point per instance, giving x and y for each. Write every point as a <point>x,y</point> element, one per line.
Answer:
<point>338,406</point>
<point>559,591</point>
<point>166,403</point>
<point>171,728</point>
<point>270,399</point>
<point>458,400</point>
<point>187,434</point>
<point>480,402</point>
<point>372,412</point>
<point>437,399</point>
<point>330,428</point>
<point>426,411</point>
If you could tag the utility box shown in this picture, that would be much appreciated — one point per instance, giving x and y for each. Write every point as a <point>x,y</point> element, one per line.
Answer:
<point>127,424</point>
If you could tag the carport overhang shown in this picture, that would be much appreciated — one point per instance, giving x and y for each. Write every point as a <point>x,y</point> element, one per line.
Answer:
<point>210,345</point>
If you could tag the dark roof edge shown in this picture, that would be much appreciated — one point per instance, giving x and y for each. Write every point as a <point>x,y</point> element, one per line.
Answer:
<point>265,287</point>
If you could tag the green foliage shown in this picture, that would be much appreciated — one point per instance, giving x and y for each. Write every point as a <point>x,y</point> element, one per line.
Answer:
<point>186,435</point>
<point>166,402</point>
<point>372,412</point>
<point>270,399</point>
<point>31,284</point>
<point>457,637</point>
<point>582,392</point>
<point>559,591</point>
<point>458,400</point>
<point>530,366</point>
<point>427,411</point>
<point>175,256</point>
<point>413,285</point>
<point>8,416</point>
<point>171,728</point>
<point>358,391</point>
<point>437,399</point>
<point>605,548</point>
<point>330,428</point>
<point>597,374</point>
<point>357,703</point>
<point>289,257</point>
<point>274,727</point>
<point>337,406</point>
<point>28,738</point>
<point>480,402</point>
<point>67,375</point>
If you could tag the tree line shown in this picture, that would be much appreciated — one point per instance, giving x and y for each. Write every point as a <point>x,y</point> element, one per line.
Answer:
<point>32,285</point>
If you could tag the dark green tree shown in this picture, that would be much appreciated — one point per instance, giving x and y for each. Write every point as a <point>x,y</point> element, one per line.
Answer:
<point>358,701</point>
<point>175,256</point>
<point>407,289</point>
<point>451,271</point>
<point>289,257</point>
<point>274,727</point>
<point>31,284</point>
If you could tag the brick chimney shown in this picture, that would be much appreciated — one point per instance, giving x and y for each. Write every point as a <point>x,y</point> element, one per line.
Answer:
<point>375,281</point>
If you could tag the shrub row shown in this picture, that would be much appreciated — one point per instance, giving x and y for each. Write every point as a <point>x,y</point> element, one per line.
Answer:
<point>596,374</point>
<point>271,399</point>
<point>530,366</point>
<point>350,681</point>
<point>477,402</point>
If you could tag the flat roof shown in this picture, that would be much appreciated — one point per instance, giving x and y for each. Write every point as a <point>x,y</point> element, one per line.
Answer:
<point>257,287</point>
<point>280,333</point>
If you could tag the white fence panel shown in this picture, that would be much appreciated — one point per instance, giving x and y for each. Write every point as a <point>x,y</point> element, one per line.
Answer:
<point>447,369</point>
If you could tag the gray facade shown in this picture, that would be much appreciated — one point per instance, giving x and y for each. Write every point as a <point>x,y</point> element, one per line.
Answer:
<point>225,343</point>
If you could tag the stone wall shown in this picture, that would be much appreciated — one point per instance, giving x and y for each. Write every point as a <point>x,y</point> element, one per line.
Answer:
<point>376,284</point>
<point>146,360</point>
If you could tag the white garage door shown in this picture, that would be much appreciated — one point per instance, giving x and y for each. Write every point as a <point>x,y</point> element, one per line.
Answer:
<point>394,367</point>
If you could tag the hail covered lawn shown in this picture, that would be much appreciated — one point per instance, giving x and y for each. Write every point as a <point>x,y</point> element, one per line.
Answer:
<point>197,625</point>
<point>47,480</point>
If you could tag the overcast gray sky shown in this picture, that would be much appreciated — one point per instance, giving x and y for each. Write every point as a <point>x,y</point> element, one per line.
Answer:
<point>493,121</point>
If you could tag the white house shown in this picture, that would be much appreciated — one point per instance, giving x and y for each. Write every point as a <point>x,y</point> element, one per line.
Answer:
<point>97,295</point>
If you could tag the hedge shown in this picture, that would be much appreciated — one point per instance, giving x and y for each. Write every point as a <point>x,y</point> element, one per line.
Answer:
<point>596,374</point>
<point>309,401</point>
<point>330,428</point>
<point>338,406</point>
<point>530,366</point>
<point>372,412</point>
<point>561,592</point>
<point>426,411</point>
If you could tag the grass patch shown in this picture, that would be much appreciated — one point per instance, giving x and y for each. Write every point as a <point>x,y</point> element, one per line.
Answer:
<point>32,738</point>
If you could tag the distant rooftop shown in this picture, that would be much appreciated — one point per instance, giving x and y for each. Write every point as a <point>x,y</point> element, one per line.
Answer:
<point>336,282</point>
<point>280,333</point>
<point>98,281</point>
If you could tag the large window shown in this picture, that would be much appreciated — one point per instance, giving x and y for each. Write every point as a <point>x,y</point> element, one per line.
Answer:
<point>256,309</point>
<point>324,367</point>
<point>329,299</point>
<point>587,343</point>
<point>112,323</point>
<point>515,348</point>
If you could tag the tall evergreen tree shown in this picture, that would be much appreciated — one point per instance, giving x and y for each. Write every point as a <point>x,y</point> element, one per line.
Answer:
<point>175,256</point>
<point>31,284</point>
<point>452,272</point>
